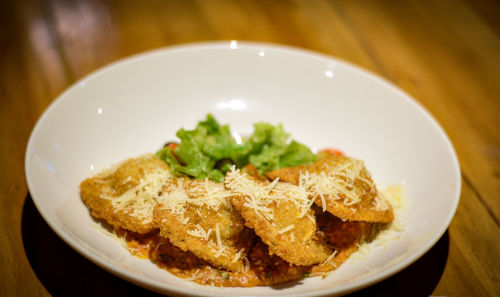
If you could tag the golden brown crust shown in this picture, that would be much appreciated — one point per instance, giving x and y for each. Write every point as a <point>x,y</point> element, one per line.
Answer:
<point>364,210</point>
<point>301,248</point>
<point>274,258</point>
<point>288,174</point>
<point>271,269</point>
<point>230,224</point>
<point>264,269</point>
<point>112,184</point>
<point>340,257</point>
<point>345,237</point>
<point>172,257</point>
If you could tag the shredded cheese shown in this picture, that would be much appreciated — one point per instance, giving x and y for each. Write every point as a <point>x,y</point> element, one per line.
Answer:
<point>323,200</point>
<point>346,181</point>
<point>182,191</point>
<point>286,229</point>
<point>259,194</point>
<point>217,234</point>
<point>112,234</point>
<point>141,200</point>
<point>381,202</point>
<point>332,255</point>
<point>238,255</point>
<point>247,264</point>
<point>220,251</point>
<point>395,196</point>
<point>199,232</point>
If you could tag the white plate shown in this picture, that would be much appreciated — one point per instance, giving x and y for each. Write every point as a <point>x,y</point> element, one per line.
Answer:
<point>136,105</point>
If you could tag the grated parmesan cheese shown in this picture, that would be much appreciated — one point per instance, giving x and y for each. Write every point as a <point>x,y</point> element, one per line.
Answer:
<point>199,232</point>
<point>332,255</point>
<point>238,255</point>
<point>286,229</point>
<point>220,251</point>
<point>258,194</point>
<point>112,234</point>
<point>217,235</point>
<point>395,196</point>
<point>181,191</point>
<point>247,264</point>
<point>338,182</point>
<point>126,180</point>
<point>140,200</point>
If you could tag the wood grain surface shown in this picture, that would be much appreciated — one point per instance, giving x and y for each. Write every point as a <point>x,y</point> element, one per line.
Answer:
<point>446,54</point>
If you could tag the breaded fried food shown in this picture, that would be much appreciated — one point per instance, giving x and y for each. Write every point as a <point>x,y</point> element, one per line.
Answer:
<point>125,196</point>
<point>186,265</point>
<point>281,216</point>
<point>264,269</point>
<point>168,256</point>
<point>341,185</point>
<point>196,216</point>
<point>271,269</point>
<point>139,245</point>
<point>341,234</point>
<point>344,236</point>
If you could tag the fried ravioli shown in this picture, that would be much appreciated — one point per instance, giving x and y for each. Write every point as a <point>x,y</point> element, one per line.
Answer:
<point>264,269</point>
<point>345,237</point>
<point>125,196</point>
<point>281,216</point>
<point>271,269</point>
<point>342,186</point>
<point>196,216</point>
<point>169,256</point>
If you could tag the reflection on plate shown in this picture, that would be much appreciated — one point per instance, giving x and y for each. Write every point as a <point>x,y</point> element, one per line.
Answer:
<point>136,105</point>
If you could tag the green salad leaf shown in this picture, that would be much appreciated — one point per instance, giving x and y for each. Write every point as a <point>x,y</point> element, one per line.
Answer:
<point>296,154</point>
<point>266,145</point>
<point>209,150</point>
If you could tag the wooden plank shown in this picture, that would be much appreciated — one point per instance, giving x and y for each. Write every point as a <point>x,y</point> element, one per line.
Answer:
<point>448,85</point>
<point>473,266</point>
<point>31,74</point>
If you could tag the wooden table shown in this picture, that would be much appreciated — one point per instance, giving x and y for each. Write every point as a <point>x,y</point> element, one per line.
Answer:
<point>446,54</point>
